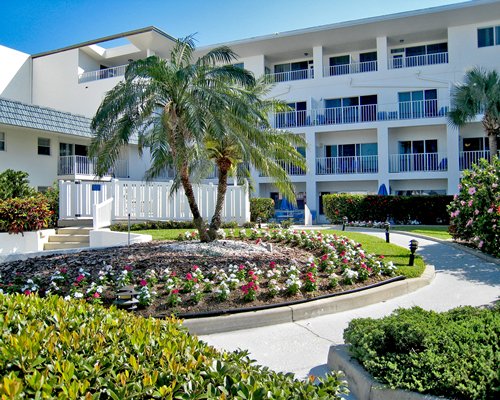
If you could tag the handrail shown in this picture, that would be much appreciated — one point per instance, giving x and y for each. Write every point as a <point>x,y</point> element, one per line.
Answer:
<point>99,74</point>
<point>102,214</point>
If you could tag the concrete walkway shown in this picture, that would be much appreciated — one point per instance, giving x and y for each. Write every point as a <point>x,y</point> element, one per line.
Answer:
<point>302,347</point>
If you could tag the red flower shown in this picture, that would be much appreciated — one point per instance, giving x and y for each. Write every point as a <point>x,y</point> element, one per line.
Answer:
<point>80,278</point>
<point>128,268</point>
<point>189,277</point>
<point>196,268</point>
<point>241,267</point>
<point>27,292</point>
<point>143,282</point>
<point>175,291</point>
<point>382,256</point>
<point>97,295</point>
<point>324,257</point>
<point>272,264</point>
<point>63,270</point>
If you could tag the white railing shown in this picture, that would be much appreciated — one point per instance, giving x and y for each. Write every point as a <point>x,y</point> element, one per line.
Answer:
<point>150,201</point>
<point>346,165</point>
<point>290,76</point>
<point>289,168</point>
<point>352,68</point>
<point>418,162</point>
<point>416,61</point>
<point>102,214</point>
<point>467,158</point>
<point>102,74</point>
<point>82,165</point>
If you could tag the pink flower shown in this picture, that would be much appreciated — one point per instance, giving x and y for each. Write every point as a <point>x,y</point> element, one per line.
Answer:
<point>175,291</point>
<point>196,268</point>
<point>481,243</point>
<point>63,270</point>
<point>490,210</point>
<point>272,264</point>
<point>469,222</point>
<point>476,212</point>
<point>345,260</point>
<point>382,256</point>
<point>143,282</point>
<point>189,276</point>
<point>128,268</point>
<point>472,190</point>
<point>27,292</point>
<point>241,267</point>
<point>80,278</point>
<point>324,257</point>
<point>97,295</point>
<point>469,203</point>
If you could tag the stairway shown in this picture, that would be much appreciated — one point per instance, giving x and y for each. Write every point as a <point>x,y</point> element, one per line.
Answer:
<point>73,237</point>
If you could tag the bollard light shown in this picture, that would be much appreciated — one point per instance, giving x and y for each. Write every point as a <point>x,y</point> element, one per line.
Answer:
<point>344,223</point>
<point>126,297</point>
<point>387,226</point>
<point>259,222</point>
<point>413,249</point>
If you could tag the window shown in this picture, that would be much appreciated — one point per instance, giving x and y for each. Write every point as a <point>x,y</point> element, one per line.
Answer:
<point>339,65</point>
<point>418,104</point>
<point>239,65</point>
<point>293,71</point>
<point>351,109</point>
<point>419,155</point>
<point>294,118</point>
<point>368,61</point>
<point>436,53</point>
<point>2,141</point>
<point>44,146</point>
<point>476,144</point>
<point>485,37</point>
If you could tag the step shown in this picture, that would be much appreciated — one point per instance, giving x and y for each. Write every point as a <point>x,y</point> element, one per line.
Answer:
<point>74,230</point>
<point>75,222</point>
<point>64,245</point>
<point>69,238</point>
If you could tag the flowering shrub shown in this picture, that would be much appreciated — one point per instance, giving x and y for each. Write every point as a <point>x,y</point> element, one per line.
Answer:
<point>475,211</point>
<point>20,215</point>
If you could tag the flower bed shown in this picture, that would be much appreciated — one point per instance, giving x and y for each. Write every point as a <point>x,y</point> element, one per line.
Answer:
<point>259,267</point>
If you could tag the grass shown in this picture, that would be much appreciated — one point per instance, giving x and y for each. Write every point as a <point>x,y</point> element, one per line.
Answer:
<point>435,231</point>
<point>398,255</point>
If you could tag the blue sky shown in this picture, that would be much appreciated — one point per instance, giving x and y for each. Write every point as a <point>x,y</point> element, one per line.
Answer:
<point>34,26</point>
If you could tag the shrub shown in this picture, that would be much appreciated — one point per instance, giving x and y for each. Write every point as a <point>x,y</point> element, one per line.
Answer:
<point>52,197</point>
<point>21,215</point>
<point>148,225</point>
<point>261,207</point>
<point>52,348</point>
<point>455,353</point>
<point>475,211</point>
<point>15,184</point>
<point>402,209</point>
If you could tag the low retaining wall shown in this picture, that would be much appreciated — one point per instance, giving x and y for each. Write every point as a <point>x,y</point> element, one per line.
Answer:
<point>108,238</point>
<point>24,242</point>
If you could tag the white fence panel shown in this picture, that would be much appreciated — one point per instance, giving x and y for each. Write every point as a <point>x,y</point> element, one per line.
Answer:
<point>150,201</point>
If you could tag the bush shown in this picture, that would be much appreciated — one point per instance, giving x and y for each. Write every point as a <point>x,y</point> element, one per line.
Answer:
<point>475,211</point>
<point>52,197</point>
<point>15,184</point>
<point>22,215</point>
<point>402,209</point>
<point>149,225</point>
<point>455,354</point>
<point>52,348</point>
<point>261,207</point>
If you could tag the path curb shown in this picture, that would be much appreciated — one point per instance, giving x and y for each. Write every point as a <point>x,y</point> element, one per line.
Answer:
<point>362,384</point>
<point>292,313</point>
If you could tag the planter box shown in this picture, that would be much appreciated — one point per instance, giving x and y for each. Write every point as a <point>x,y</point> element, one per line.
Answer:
<point>108,238</point>
<point>24,242</point>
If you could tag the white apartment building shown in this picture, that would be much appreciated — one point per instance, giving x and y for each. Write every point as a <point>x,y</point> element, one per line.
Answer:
<point>370,97</point>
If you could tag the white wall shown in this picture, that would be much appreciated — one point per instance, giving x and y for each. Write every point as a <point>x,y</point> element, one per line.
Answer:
<point>15,75</point>
<point>23,243</point>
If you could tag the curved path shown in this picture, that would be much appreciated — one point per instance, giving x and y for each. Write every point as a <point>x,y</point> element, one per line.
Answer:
<point>462,278</point>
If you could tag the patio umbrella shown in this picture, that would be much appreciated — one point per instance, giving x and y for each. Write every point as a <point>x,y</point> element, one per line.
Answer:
<point>285,204</point>
<point>382,190</point>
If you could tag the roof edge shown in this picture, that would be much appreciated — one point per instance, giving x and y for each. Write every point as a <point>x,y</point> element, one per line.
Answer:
<point>106,39</point>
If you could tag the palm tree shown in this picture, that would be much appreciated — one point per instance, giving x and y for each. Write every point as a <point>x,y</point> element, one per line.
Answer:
<point>168,106</point>
<point>479,94</point>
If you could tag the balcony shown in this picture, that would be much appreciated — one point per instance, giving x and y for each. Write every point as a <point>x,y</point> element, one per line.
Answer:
<point>290,76</point>
<point>82,167</point>
<point>421,109</point>
<point>346,165</point>
<point>291,170</point>
<point>416,61</point>
<point>467,158</point>
<point>352,68</point>
<point>102,74</point>
<point>418,162</point>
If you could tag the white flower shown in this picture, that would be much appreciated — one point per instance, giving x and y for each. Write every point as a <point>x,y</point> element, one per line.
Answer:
<point>78,295</point>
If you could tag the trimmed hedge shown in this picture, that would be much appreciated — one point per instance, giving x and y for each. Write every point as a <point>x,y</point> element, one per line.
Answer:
<point>20,215</point>
<point>455,354</point>
<point>428,210</point>
<point>261,207</point>
<point>147,225</point>
<point>52,348</point>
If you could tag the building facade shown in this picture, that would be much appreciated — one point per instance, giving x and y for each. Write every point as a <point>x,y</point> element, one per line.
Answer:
<point>370,97</point>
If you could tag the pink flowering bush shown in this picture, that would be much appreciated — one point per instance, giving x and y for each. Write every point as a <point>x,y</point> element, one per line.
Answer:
<point>475,211</point>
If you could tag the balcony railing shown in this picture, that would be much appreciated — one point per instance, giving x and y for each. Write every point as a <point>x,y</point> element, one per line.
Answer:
<point>102,74</point>
<point>352,68</point>
<point>290,169</point>
<point>346,165</point>
<point>467,158</point>
<point>82,165</point>
<point>417,61</point>
<point>420,109</point>
<point>290,76</point>
<point>418,162</point>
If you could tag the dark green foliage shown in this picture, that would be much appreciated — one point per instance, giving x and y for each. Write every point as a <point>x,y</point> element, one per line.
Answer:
<point>15,184</point>
<point>261,207</point>
<point>19,215</point>
<point>148,225</point>
<point>455,354</point>
<point>427,210</point>
<point>52,197</point>
<point>52,348</point>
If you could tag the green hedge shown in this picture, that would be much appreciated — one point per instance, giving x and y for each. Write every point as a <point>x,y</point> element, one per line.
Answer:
<point>20,215</point>
<point>52,348</point>
<point>148,225</point>
<point>261,207</point>
<point>455,354</point>
<point>428,210</point>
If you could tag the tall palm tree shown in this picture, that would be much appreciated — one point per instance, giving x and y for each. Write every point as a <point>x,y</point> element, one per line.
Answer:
<point>169,106</point>
<point>479,94</point>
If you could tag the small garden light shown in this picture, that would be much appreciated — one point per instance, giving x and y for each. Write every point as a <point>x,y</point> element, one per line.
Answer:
<point>126,297</point>
<point>413,249</point>
<point>344,223</point>
<point>259,222</point>
<point>387,226</point>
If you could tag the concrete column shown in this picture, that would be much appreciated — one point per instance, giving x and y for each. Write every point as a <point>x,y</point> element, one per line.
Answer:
<point>383,156</point>
<point>318,62</point>
<point>150,53</point>
<point>382,56</point>
<point>311,195</point>
<point>452,146</point>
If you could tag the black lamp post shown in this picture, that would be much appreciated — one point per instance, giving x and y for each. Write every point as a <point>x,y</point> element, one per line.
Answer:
<point>259,222</point>
<point>344,223</point>
<point>413,249</point>
<point>387,226</point>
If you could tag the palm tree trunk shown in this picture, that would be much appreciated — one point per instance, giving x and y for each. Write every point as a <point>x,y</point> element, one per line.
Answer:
<point>215,223</point>
<point>492,139</point>
<point>197,219</point>
<point>492,127</point>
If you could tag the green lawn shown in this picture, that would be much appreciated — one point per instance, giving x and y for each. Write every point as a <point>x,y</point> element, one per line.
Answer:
<point>436,231</point>
<point>371,244</point>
